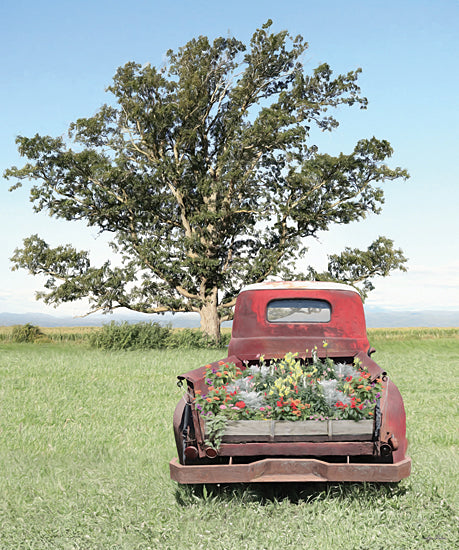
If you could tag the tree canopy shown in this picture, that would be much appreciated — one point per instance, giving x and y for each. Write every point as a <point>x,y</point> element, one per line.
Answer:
<point>203,174</point>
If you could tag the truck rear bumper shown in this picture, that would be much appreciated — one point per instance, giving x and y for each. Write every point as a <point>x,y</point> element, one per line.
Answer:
<point>299,470</point>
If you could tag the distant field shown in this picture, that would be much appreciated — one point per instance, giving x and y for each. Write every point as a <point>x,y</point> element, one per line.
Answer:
<point>86,437</point>
<point>81,334</point>
<point>56,334</point>
<point>411,333</point>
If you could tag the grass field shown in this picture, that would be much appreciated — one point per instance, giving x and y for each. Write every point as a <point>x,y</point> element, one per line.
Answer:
<point>86,437</point>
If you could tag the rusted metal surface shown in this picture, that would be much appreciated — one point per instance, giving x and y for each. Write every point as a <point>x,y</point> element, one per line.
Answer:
<point>252,336</point>
<point>326,448</point>
<point>196,377</point>
<point>393,417</point>
<point>289,470</point>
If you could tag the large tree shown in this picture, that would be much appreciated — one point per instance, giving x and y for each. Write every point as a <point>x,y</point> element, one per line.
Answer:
<point>204,174</point>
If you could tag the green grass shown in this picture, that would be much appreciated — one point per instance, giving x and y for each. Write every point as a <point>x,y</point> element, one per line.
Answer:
<point>86,437</point>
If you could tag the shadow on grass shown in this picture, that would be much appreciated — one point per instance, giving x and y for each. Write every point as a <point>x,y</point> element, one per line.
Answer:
<point>294,493</point>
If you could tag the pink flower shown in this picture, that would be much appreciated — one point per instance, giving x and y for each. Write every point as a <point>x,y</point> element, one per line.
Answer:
<point>222,407</point>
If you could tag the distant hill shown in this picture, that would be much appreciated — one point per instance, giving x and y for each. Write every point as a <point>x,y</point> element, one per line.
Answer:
<point>376,317</point>
<point>380,317</point>
<point>182,320</point>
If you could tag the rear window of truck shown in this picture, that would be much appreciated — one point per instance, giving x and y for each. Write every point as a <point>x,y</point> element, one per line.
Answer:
<point>298,310</point>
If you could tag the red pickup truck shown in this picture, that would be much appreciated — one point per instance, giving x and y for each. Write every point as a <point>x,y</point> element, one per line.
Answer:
<point>313,326</point>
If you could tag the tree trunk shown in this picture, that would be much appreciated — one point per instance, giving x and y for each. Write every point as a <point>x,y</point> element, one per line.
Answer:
<point>210,319</point>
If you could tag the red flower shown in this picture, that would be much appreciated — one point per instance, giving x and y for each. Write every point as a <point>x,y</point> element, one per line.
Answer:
<point>348,378</point>
<point>240,405</point>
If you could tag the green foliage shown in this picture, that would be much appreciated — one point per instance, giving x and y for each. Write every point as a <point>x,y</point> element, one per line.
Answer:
<point>27,333</point>
<point>206,175</point>
<point>355,267</point>
<point>192,338</point>
<point>216,427</point>
<point>124,336</point>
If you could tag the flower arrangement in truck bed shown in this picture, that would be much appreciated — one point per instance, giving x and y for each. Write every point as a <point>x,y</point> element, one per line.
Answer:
<point>289,389</point>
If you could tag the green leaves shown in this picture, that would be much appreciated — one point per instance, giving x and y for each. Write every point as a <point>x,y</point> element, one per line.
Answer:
<point>358,267</point>
<point>202,172</point>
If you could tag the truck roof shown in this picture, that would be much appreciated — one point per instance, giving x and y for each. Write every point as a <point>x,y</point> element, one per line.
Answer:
<point>299,285</point>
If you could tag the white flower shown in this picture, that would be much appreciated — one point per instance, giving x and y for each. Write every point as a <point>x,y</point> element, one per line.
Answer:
<point>331,393</point>
<point>343,370</point>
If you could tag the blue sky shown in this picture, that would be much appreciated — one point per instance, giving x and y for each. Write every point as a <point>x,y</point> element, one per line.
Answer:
<point>57,58</point>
